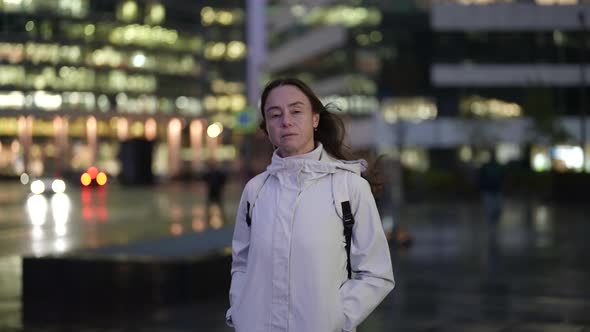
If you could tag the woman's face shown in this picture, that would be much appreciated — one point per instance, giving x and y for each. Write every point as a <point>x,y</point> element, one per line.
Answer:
<point>290,121</point>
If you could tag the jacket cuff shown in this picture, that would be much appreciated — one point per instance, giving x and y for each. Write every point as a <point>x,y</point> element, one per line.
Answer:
<point>228,319</point>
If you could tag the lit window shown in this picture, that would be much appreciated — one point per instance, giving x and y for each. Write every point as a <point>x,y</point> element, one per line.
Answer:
<point>298,10</point>
<point>540,159</point>
<point>30,26</point>
<point>376,36</point>
<point>74,8</point>
<point>103,103</point>
<point>89,29</point>
<point>210,103</point>
<point>225,17</point>
<point>156,14</point>
<point>238,103</point>
<point>127,11</point>
<point>214,51</point>
<point>362,39</point>
<point>236,50</point>
<point>568,157</point>
<point>345,15</point>
<point>138,60</point>
<point>223,103</point>
<point>47,101</point>
<point>12,100</point>
<point>415,109</point>
<point>137,129</point>
<point>13,5</point>
<point>13,53</point>
<point>207,16</point>
<point>12,75</point>
<point>489,107</point>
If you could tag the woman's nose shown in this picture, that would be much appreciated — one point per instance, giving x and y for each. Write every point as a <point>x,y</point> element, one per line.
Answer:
<point>286,119</point>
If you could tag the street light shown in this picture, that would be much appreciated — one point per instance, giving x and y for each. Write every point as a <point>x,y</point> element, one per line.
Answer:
<point>214,130</point>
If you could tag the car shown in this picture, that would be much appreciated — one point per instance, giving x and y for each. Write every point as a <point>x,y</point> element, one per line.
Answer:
<point>47,186</point>
<point>93,176</point>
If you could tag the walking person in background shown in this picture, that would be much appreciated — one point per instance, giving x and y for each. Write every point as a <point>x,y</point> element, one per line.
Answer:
<point>292,267</point>
<point>491,180</point>
<point>215,179</point>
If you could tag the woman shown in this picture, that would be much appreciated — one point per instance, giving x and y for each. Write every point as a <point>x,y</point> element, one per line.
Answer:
<point>289,267</point>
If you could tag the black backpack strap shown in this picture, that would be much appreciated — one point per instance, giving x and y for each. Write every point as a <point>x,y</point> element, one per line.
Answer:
<point>248,208</point>
<point>248,217</point>
<point>348,223</point>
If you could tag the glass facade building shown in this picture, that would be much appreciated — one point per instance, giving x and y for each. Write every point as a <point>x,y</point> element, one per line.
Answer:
<point>333,45</point>
<point>520,64</point>
<point>79,77</point>
<point>462,77</point>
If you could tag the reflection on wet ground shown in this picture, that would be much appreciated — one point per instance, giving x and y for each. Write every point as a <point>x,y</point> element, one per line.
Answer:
<point>94,217</point>
<point>531,274</point>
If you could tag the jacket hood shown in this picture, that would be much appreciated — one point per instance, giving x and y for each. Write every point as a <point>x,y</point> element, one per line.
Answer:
<point>316,161</point>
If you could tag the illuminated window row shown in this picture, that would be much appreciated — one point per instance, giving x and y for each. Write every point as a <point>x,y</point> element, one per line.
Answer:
<point>414,109</point>
<point>132,34</point>
<point>489,107</point>
<point>220,87</point>
<point>143,35</point>
<point>419,108</point>
<point>106,56</point>
<point>109,32</point>
<point>561,158</point>
<point>70,8</point>
<point>67,78</point>
<point>365,39</point>
<point>129,11</point>
<point>189,106</point>
<point>210,16</point>
<point>228,103</point>
<point>88,101</point>
<point>37,53</point>
<point>233,50</point>
<point>165,64</point>
<point>344,15</point>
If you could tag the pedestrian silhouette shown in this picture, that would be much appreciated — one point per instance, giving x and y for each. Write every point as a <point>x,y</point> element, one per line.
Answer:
<point>215,178</point>
<point>491,179</point>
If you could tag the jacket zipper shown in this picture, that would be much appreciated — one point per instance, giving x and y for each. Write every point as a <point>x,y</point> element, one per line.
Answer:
<point>290,251</point>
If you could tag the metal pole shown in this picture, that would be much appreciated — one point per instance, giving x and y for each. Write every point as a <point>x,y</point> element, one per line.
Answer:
<point>583,64</point>
<point>256,37</point>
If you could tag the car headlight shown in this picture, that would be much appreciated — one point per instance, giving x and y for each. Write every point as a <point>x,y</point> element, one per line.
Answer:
<point>58,186</point>
<point>37,187</point>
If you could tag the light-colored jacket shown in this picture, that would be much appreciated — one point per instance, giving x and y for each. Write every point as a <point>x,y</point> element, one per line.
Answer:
<point>289,268</point>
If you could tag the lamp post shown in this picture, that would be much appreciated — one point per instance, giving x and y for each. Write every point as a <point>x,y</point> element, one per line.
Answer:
<point>583,63</point>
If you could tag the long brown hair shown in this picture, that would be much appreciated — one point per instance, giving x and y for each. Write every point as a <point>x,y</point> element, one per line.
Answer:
<point>330,131</point>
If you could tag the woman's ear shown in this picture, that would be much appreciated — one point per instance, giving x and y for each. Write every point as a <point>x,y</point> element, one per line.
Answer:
<point>316,120</point>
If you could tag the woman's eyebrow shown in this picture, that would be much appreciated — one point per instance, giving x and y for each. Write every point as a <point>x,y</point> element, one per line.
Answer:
<point>297,103</point>
<point>293,104</point>
<point>270,108</point>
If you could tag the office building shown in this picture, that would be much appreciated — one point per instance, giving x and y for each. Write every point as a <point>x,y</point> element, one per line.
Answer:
<point>79,77</point>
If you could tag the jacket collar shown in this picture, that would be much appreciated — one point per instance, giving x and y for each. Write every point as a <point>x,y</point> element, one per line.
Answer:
<point>315,161</point>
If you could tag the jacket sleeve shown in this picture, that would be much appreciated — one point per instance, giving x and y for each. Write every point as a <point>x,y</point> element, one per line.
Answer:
<point>370,259</point>
<point>240,246</point>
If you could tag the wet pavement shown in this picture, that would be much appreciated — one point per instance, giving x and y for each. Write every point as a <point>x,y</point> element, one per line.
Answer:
<point>531,276</point>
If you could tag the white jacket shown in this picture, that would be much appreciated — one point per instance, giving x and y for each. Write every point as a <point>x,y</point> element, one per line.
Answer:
<point>289,268</point>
